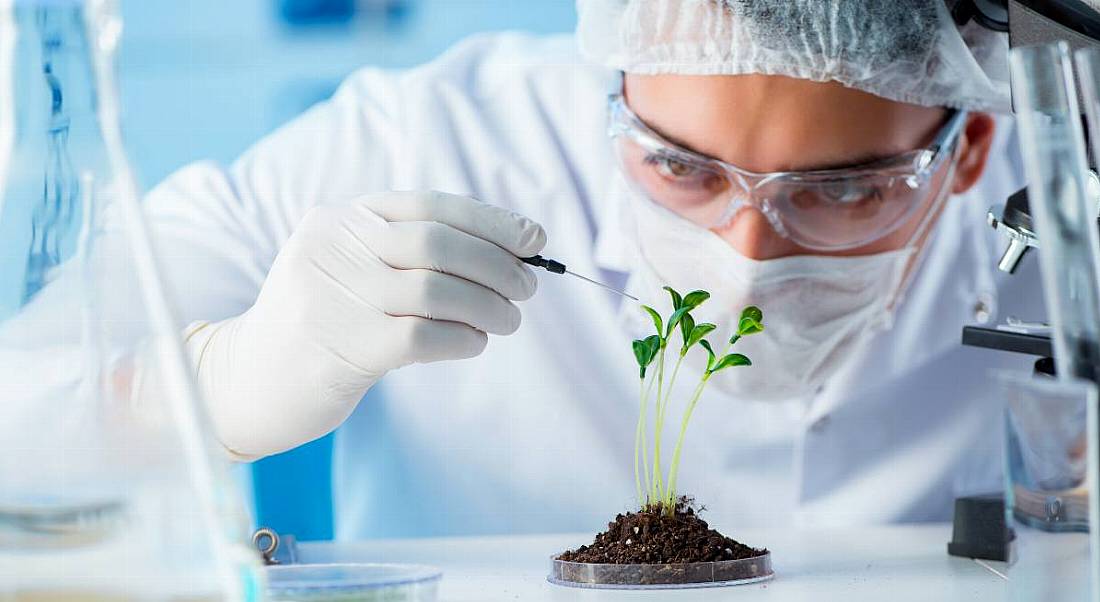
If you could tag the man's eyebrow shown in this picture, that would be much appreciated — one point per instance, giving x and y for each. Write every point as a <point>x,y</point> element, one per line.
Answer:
<point>858,160</point>
<point>866,158</point>
<point>679,143</point>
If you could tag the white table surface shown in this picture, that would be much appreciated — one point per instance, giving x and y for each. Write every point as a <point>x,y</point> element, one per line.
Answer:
<point>1049,566</point>
<point>878,563</point>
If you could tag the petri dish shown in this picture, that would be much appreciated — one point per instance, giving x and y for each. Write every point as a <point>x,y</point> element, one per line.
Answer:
<point>661,576</point>
<point>352,582</point>
<point>55,524</point>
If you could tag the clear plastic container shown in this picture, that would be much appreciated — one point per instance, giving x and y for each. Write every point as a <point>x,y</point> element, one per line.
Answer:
<point>352,582</point>
<point>1046,450</point>
<point>661,576</point>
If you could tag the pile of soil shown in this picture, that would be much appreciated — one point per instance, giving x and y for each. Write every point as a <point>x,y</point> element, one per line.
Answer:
<point>651,536</point>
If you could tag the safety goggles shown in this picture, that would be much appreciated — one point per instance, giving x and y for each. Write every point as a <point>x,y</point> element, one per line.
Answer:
<point>824,210</point>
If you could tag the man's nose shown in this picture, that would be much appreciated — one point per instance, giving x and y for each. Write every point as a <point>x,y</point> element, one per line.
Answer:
<point>751,233</point>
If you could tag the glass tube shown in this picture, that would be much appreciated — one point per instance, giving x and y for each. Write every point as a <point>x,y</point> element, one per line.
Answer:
<point>1052,144</point>
<point>1088,70</point>
<point>1053,148</point>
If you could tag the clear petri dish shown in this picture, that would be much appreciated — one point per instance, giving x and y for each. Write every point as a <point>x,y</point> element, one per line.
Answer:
<point>352,583</point>
<point>661,576</point>
<point>56,524</point>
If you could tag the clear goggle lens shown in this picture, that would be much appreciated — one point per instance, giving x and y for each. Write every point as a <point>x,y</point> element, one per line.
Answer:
<point>827,210</point>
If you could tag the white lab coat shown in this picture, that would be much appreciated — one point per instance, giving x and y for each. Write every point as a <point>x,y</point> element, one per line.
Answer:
<point>537,433</point>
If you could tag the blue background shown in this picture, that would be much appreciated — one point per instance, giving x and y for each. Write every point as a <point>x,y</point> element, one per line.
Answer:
<point>203,79</point>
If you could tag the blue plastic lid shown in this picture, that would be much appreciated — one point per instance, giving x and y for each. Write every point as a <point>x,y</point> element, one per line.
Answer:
<point>298,579</point>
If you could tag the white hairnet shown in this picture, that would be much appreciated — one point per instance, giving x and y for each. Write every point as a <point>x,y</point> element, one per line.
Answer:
<point>905,50</point>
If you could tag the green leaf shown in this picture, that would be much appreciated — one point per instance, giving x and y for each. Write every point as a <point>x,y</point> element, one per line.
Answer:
<point>749,326</point>
<point>653,346</point>
<point>687,324</point>
<point>753,312</point>
<point>697,335</point>
<point>710,352</point>
<point>733,359</point>
<point>677,301</point>
<point>695,299</point>
<point>640,353</point>
<point>675,318</point>
<point>657,322</point>
<point>645,351</point>
<point>733,339</point>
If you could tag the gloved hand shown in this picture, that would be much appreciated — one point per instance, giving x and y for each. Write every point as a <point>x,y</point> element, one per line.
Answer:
<point>358,290</point>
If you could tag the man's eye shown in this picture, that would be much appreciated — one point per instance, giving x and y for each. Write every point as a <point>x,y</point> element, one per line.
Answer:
<point>849,193</point>
<point>671,168</point>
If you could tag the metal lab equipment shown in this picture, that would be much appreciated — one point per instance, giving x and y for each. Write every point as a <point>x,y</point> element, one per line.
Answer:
<point>1030,23</point>
<point>111,487</point>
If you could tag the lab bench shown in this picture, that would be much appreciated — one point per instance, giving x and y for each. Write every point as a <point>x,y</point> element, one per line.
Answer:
<point>894,563</point>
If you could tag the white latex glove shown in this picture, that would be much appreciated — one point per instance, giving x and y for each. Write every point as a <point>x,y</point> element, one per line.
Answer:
<point>358,290</point>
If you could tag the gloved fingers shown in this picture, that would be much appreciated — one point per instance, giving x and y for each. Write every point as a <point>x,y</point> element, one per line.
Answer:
<point>439,296</point>
<point>437,340</point>
<point>510,231</point>
<point>435,246</point>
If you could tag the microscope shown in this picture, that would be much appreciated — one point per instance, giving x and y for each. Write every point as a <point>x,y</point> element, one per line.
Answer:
<point>1027,22</point>
<point>980,529</point>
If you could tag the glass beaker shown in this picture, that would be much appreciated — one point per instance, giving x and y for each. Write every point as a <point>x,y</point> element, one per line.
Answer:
<point>1046,451</point>
<point>111,484</point>
<point>1046,483</point>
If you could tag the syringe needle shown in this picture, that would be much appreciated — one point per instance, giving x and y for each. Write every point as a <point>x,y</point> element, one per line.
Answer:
<point>602,285</point>
<point>557,267</point>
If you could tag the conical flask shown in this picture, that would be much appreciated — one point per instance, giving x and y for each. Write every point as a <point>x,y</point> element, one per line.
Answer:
<point>112,485</point>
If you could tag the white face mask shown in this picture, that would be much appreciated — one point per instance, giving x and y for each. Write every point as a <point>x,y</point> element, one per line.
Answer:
<point>817,309</point>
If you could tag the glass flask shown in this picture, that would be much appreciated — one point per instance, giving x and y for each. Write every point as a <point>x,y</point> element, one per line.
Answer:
<point>112,483</point>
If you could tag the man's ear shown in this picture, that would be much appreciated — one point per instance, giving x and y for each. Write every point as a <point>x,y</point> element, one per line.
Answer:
<point>974,145</point>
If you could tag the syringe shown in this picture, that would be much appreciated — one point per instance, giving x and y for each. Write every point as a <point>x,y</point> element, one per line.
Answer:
<point>557,267</point>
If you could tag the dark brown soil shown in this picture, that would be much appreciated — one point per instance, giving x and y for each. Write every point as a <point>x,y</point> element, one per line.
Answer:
<point>651,536</point>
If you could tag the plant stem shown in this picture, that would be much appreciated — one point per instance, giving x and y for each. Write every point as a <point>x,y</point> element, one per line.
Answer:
<point>641,446</point>
<point>657,490</point>
<point>645,440</point>
<point>638,438</point>
<point>662,405</point>
<point>668,392</point>
<point>675,468</point>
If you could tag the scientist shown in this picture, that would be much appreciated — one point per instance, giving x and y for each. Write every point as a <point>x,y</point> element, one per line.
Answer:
<point>829,161</point>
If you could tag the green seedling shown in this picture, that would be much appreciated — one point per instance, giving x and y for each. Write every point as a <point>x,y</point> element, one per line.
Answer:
<point>653,490</point>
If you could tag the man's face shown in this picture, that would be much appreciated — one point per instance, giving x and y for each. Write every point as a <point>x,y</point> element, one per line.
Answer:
<point>765,123</point>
